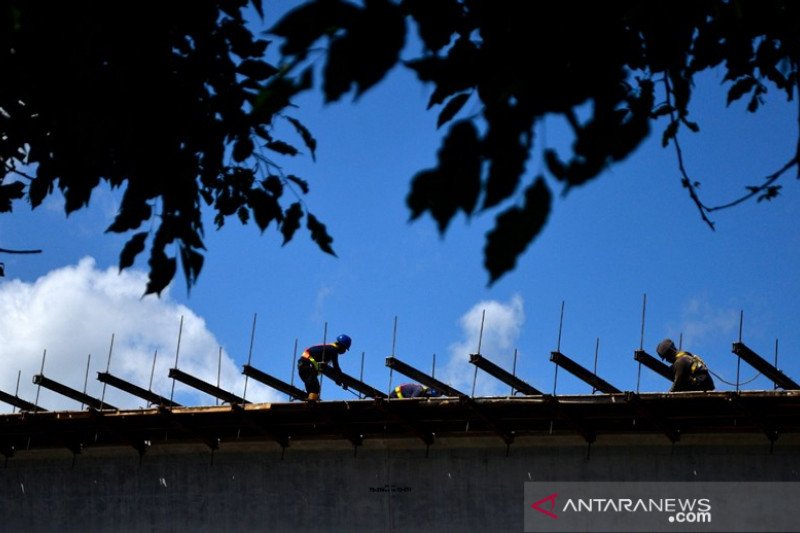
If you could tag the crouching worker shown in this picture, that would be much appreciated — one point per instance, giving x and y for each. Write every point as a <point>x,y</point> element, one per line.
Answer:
<point>413,390</point>
<point>690,373</point>
<point>308,366</point>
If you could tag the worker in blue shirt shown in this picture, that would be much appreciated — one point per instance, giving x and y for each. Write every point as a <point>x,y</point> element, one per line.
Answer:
<point>308,366</point>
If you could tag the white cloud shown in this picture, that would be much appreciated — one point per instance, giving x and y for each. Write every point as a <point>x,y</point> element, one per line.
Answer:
<point>74,311</point>
<point>501,329</point>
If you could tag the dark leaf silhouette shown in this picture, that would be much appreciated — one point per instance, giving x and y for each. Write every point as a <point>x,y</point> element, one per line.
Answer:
<point>453,185</point>
<point>303,184</point>
<point>451,108</point>
<point>282,148</point>
<point>308,139</point>
<point>515,229</point>
<point>366,51</point>
<point>291,221</point>
<point>319,234</point>
<point>132,248</point>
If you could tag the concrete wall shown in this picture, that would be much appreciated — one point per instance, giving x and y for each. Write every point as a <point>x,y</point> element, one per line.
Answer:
<point>462,485</point>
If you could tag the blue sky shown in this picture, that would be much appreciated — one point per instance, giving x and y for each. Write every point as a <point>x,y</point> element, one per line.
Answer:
<point>632,232</point>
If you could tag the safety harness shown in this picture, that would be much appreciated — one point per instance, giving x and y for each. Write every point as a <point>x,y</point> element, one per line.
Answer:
<point>307,357</point>
<point>697,363</point>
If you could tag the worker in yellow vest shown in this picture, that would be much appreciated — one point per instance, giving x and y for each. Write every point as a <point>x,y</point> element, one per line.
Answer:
<point>690,373</point>
<point>308,366</point>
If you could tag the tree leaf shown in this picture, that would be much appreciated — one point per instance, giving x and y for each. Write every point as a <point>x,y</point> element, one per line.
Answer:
<point>319,234</point>
<point>282,148</point>
<point>162,270</point>
<point>308,139</point>
<point>10,192</point>
<point>368,49</point>
<point>132,248</point>
<point>192,263</point>
<point>515,229</point>
<point>303,184</point>
<point>256,69</point>
<point>436,20</point>
<point>265,208</point>
<point>303,26</point>
<point>451,108</point>
<point>740,87</point>
<point>291,221</point>
<point>455,184</point>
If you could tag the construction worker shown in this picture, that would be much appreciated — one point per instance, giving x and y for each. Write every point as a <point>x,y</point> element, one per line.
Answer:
<point>413,390</point>
<point>690,373</point>
<point>308,366</point>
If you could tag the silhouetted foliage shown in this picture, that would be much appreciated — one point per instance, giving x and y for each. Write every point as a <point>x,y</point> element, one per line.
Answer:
<point>171,100</point>
<point>628,63</point>
<point>174,102</point>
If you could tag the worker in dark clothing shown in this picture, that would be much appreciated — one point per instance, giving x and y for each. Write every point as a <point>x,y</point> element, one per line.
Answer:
<point>413,390</point>
<point>308,366</point>
<point>690,373</point>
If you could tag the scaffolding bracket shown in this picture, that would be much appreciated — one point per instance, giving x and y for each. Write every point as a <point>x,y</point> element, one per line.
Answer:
<point>503,375</point>
<point>653,364</point>
<point>417,375</point>
<point>130,388</point>
<point>582,373</point>
<point>760,364</point>
<point>16,401</point>
<point>273,382</point>
<point>47,383</point>
<point>351,382</point>
<point>208,388</point>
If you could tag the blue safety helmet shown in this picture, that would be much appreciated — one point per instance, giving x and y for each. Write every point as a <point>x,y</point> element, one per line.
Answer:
<point>344,341</point>
<point>433,393</point>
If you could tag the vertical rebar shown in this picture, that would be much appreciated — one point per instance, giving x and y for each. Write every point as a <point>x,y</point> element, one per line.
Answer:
<point>16,392</point>
<point>219,372</point>
<point>480,341</point>
<point>558,346</point>
<point>775,385</point>
<point>560,328</point>
<point>514,370</point>
<point>361,374</point>
<point>249,354</point>
<point>108,368</point>
<point>177,352</point>
<point>394,335</point>
<point>153,370</point>
<point>294,358</point>
<point>41,373</point>
<point>641,337</point>
<point>739,359</point>
<point>152,373</point>
<point>641,342</point>
<point>394,340</point>
<point>433,366</point>
<point>321,377</point>
<point>596,351</point>
<point>86,378</point>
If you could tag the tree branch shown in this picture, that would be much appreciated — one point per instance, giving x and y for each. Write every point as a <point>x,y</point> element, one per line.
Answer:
<point>7,251</point>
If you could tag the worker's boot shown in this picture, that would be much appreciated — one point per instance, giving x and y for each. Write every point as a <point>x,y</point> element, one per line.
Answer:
<point>313,397</point>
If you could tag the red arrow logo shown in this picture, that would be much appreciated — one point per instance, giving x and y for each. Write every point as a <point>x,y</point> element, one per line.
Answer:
<point>552,500</point>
